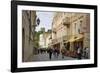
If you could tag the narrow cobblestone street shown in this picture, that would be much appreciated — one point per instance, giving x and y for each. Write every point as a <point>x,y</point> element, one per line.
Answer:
<point>44,33</point>
<point>45,57</point>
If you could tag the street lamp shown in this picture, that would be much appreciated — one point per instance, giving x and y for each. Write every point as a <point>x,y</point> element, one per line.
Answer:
<point>38,21</point>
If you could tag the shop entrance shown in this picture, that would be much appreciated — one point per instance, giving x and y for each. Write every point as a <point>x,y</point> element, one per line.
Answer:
<point>78,44</point>
<point>57,46</point>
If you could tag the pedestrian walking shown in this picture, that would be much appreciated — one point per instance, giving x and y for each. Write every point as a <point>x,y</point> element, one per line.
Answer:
<point>84,52</point>
<point>50,53</point>
<point>54,52</point>
<point>79,52</point>
<point>57,52</point>
<point>63,53</point>
<point>87,52</point>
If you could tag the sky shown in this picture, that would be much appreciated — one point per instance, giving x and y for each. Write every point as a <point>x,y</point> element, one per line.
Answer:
<point>46,19</point>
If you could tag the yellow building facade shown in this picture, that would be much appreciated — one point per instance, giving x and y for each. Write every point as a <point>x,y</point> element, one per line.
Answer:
<point>71,30</point>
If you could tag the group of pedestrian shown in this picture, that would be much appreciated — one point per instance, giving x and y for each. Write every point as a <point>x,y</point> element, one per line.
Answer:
<point>56,52</point>
<point>53,51</point>
<point>83,52</point>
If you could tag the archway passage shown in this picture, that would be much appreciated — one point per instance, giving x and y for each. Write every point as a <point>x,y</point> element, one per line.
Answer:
<point>23,43</point>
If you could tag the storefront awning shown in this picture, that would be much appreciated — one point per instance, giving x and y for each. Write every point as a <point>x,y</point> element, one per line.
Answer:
<point>76,38</point>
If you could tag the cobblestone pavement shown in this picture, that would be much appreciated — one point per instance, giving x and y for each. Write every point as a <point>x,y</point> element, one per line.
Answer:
<point>45,57</point>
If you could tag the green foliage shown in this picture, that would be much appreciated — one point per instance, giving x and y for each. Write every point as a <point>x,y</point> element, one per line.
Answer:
<point>36,38</point>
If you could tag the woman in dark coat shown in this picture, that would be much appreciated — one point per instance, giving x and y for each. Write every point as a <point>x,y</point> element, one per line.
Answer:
<point>50,53</point>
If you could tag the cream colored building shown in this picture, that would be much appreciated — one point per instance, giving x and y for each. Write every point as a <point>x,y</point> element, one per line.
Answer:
<point>48,40</point>
<point>71,30</point>
<point>59,31</point>
<point>28,27</point>
<point>44,41</point>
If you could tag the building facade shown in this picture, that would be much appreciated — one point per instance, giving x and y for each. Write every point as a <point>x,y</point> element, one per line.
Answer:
<point>42,41</point>
<point>28,29</point>
<point>71,30</point>
<point>59,30</point>
<point>48,39</point>
<point>45,40</point>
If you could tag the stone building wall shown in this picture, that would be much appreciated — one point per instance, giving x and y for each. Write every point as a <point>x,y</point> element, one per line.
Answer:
<point>27,34</point>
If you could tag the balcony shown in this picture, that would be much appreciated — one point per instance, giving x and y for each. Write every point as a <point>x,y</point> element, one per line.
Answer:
<point>57,40</point>
<point>66,21</point>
